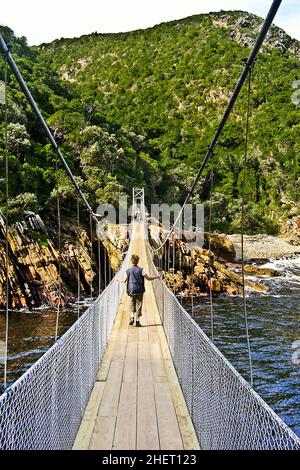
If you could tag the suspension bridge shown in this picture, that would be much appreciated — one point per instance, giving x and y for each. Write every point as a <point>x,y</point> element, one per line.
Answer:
<point>107,385</point>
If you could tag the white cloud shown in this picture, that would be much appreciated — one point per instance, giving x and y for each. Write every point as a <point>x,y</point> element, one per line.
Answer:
<point>45,21</point>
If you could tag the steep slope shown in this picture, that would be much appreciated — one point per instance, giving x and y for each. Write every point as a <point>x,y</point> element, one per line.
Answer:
<point>141,107</point>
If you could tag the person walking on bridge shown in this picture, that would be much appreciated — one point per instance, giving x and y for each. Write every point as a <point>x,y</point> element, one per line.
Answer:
<point>135,278</point>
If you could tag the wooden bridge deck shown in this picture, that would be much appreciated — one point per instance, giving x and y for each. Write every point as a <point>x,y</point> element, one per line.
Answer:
<point>137,402</point>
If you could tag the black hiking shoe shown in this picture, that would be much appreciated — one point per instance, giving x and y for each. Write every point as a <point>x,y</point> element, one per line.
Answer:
<point>137,323</point>
<point>131,321</point>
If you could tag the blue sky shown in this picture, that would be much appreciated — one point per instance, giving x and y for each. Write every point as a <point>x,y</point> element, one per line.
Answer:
<point>45,21</point>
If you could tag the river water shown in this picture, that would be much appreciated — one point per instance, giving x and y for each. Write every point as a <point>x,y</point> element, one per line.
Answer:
<point>30,335</point>
<point>273,325</point>
<point>274,320</point>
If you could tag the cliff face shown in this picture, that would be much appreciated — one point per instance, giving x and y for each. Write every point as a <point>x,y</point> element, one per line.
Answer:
<point>33,264</point>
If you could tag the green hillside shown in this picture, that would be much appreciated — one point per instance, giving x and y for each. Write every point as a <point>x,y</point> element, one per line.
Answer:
<point>140,108</point>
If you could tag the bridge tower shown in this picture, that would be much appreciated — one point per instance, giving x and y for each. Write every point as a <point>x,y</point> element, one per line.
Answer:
<point>138,208</point>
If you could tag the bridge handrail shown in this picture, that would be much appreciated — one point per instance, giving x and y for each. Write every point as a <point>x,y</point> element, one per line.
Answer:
<point>43,409</point>
<point>226,412</point>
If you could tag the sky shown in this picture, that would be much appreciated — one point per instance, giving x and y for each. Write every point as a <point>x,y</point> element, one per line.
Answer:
<point>43,21</point>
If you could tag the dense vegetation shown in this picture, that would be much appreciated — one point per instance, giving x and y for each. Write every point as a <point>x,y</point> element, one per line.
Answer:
<point>140,108</point>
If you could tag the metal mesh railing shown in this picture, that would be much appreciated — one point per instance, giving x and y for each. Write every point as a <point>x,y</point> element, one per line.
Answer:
<point>43,408</point>
<point>227,413</point>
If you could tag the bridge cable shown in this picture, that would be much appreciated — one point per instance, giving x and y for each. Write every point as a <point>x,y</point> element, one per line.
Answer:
<point>192,282</point>
<point>6,223</point>
<point>243,224</point>
<point>242,79</point>
<point>181,272</point>
<point>99,267</point>
<point>209,248</point>
<point>91,236</point>
<point>174,260</point>
<point>105,267</point>
<point>8,57</point>
<point>78,259</point>
<point>59,253</point>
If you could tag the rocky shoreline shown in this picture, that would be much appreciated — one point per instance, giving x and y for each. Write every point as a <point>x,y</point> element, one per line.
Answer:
<point>263,247</point>
<point>41,274</point>
<point>219,269</point>
<point>34,262</point>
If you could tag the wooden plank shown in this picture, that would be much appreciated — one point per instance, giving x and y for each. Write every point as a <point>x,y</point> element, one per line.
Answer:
<point>157,363</point>
<point>110,399</point>
<point>147,427</point>
<point>169,433</point>
<point>84,434</point>
<point>189,438</point>
<point>130,365</point>
<point>115,371</point>
<point>186,427</point>
<point>125,433</point>
<point>102,438</point>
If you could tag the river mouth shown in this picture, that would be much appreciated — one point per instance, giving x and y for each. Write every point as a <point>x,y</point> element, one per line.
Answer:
<point>273,317</point>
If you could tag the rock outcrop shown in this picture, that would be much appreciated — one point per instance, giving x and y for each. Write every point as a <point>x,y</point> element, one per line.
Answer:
<point>116,243</point>
<point>290,231</point>
<point>34,260</point>
<point>220,244</point>
<point>199,270</point>
<point>252,270</point>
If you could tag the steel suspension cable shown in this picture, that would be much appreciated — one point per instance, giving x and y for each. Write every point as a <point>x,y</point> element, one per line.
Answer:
<point>91,235</point>
<point>243,224</point>
<point>99,267</point>
<point>181,276</point>
<point>174,258</point>
<point>59,259</point>
<point>78,258</point>
<point>192,282</point>
<point>242,79</point>
<point>7,55</point>
<point>209,248</point>
<point>6,223</point>
<point>105,267</point>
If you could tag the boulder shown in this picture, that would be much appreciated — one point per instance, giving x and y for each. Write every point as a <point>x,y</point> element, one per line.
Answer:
<point>255,271</point>
<point>215,285</point>
<point>290,230</point>
<point>221,246</point>
<point>236,280</point>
